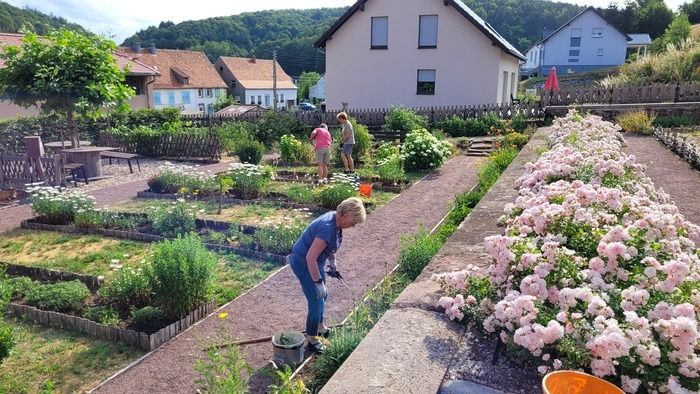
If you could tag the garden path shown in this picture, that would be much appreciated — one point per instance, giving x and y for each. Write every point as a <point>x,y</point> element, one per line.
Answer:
<point>13,217</point>
<point>368,251</point>
<point>669,172</point>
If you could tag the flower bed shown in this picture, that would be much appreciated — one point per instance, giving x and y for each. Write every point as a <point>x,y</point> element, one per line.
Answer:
<point>597,270</point>
<point>377,184</point>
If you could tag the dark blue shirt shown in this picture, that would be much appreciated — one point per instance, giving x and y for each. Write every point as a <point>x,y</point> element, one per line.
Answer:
<point>323,227</point>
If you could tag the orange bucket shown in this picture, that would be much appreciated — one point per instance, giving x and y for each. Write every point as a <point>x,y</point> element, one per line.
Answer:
<point>366,189</point>
<point>574,382</point>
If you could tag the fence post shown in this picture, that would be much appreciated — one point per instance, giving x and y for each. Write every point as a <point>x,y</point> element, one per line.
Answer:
<point>678,88</point>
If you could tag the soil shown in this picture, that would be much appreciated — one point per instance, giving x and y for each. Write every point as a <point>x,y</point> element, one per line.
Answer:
<point>368,251</point>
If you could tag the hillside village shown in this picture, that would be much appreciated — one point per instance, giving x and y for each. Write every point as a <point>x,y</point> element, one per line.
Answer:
<point>397,196</point>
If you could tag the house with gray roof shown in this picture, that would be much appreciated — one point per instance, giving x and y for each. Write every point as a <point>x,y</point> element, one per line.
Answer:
<point>416,53</point>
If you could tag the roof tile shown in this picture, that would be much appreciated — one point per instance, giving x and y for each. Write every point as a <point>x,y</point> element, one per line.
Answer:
<point>255,73</point>
<point>171,63</point>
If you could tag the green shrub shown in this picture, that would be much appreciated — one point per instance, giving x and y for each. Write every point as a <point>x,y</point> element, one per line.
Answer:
<point>271,126</point>
<point>249,180</point>
<point>234,133</point>
<point>181,275</point>
<point>489,172</point>
<point>96,218</point>
<point>19,287</point>
<point>515,140</point>
<point>422,151</point>
<point>363,141</point>
<point>518,122</point>
<point>301,193</point>
<point>103,315</point>
<point>294,151</point>
<point>386,150</point>
<point>345,341</point>
<point>331,195</point>
<point>179,179</point>
<point>636,122</point>
<point>456,126</point>
<point>128,288</point>
<point>7,340</point>
<point>416,252</point>
<point>69,297</point>
<point>178,218</point>
<point>250,152</point>
<point>404,119</point>
<point>674,121</point>
<point>279,239</point>
<point>223,371</point>
<point>391,169</point>
<point>58,206</point>
<point>147,319</point>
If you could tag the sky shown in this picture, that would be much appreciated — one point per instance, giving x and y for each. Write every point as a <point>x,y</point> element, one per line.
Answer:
<point>119,19</point>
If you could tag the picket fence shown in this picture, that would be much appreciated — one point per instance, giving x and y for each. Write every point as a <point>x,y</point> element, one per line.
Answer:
<point>657,93</point>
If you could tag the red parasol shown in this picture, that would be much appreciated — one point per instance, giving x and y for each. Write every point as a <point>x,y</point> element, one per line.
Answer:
<point>552,83</point>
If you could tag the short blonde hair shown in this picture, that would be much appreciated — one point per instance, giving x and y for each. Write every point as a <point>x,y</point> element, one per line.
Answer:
<point>342,116</point>
<point>354,208</point>
<point>323,126</point>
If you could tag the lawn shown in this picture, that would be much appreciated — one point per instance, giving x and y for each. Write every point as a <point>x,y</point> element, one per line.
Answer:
<point>67,361</point>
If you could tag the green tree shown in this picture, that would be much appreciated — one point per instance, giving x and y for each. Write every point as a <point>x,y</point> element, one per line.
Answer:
<point>306,81</point>
<point>653,17</point>
<point>678,31</point>
<point>693,11</point>
<point>65,73</point>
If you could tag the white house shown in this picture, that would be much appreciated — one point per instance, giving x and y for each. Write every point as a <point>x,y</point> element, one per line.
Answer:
<point>416,53</point>
<point>250,81</point>
<point>187,80</point>
<point>318,91</point>
<point>638,44</point>
<point>586,42</point>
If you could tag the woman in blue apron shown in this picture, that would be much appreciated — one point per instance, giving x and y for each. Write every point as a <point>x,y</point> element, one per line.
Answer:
<point>318,244</point>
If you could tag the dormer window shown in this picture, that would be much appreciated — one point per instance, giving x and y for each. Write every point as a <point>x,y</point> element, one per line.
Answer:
<point>186,81</point>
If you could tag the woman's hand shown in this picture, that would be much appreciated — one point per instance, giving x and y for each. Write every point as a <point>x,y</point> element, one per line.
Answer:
<point>333,265</point>
<point>321,290</point>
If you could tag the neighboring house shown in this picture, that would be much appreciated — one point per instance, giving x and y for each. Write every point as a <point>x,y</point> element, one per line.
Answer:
<point>416,53</point>
<point>586,42</point>
<point>139,77</point>
<point>240,109</point>
<point>250,81</point>
<point>318,91</point>
<point>187,80</point>
<point>639,44</point>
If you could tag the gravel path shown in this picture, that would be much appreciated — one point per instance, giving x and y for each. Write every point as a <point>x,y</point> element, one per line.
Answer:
<point>669,172</point>
<point>278,303</point>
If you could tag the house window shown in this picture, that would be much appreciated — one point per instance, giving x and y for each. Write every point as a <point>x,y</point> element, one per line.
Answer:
<point>427,31</point>
<point>201,107</point>
<point>171,98</point>
<point>259,100</point>
<point>185,97</point>
<point>233,84</point>
<point>576,32</point>
<point>426,82</point>
<point>221,68</point>
<point>207,93</point>
<point>267,100</point>
<point>209,109</point>
<point>574,52</point>
<point>597,32</point>
<point>281,97</point>
<point>217,92</point>
<point>573,60</point>
<point>575,42</point>
<point>380,32</point>
<point>600,51</point>
<point>200,93</point>
<point>156,98</point>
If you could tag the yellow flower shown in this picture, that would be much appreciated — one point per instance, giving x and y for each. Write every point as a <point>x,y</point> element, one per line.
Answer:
<point>223,315</point>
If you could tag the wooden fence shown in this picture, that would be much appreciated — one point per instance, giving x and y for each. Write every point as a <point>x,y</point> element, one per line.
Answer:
<point>18,170</point>
<point>180,146</point>
<point>47,275</point>
<point>374,118</point>
<point>659,93</point>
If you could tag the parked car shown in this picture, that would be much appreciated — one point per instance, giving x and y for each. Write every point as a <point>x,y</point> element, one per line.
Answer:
<point>307,107</point>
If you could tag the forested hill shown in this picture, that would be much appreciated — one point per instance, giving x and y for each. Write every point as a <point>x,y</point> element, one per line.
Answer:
<point>293,32</point>
<point>13,19</point>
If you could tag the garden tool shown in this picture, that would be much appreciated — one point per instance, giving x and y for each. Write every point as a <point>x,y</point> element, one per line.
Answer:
<point>336,274</point>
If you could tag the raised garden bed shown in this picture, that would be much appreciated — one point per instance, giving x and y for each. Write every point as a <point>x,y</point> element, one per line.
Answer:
<point>282,202</point>
<point>679,141</point>
<point>47,275</point>
<point>304,177</point>
<point>129,337</point>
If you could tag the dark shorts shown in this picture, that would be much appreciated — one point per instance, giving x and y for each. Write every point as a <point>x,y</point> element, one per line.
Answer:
<point>347,149</point>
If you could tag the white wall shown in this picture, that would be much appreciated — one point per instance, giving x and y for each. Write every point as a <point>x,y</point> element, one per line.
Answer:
<point>266,95</point>
<point>195,100</point>
<point>533,57</point>
<point>613,43</point>
<point>509,76</point>
<point>466,62</point>
<point>318,91</point>
<point>10,110</point>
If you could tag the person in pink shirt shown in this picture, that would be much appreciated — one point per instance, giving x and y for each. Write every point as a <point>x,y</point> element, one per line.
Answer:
<point>322,140</point>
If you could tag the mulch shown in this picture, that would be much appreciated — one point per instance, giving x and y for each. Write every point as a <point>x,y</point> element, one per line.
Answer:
<point>368,252</point>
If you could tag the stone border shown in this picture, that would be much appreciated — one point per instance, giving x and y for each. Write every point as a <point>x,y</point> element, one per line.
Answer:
<point>414,347</point>
<point>141,237</point>
<point>48,275</point>
<point>679,144</point>
<point>147,194</point>
<point>133,338</point>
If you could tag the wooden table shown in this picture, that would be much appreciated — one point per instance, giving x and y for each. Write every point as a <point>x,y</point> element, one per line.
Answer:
<point>89,156</point>
<point>56,145</point>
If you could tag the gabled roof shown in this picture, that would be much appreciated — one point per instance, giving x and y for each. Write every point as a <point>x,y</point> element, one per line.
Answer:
<point>239,109</point>
<point>639,39</point>
<point>176,65</point>
<point>254,73</point>
<point>577,16</point>
<point>479,23</point>
<point>123,61</point>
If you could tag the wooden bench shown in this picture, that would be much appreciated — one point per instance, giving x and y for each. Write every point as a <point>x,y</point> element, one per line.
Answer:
<point>120,155</point>
<point>75,167</point>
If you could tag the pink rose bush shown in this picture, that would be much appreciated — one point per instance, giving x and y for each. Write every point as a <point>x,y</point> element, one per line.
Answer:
<point>597,270</point>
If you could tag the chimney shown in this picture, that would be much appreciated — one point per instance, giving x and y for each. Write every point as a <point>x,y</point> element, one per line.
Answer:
<point>152,48</point>
<point>252,59</point>
<point>137,47</point>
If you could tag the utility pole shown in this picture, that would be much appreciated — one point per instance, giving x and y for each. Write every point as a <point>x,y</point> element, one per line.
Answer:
<point>274,80</point>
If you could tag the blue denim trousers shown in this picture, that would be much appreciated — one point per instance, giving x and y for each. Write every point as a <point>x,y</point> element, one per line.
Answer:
<point>316,305</point>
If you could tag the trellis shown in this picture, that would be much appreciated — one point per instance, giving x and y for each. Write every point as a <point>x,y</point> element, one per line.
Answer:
<point>16,171</point>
